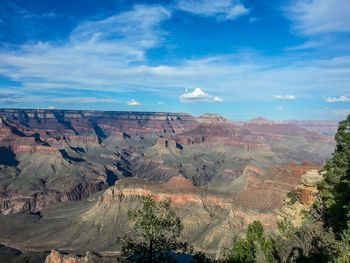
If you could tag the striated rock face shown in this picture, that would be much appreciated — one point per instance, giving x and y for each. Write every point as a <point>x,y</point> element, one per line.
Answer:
<point>211,219</point>
<point>38,201</point>
<point>212,119</point>
<point>321,127</point>
<point>48,156</point>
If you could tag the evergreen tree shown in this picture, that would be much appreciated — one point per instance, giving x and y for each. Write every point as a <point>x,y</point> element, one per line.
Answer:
<point>255,247</point>
<point>157,230</point>
<point>335,189</point>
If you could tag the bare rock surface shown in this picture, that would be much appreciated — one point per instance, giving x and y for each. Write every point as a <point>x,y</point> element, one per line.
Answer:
<point>211,219</point>
<point>89,257</point>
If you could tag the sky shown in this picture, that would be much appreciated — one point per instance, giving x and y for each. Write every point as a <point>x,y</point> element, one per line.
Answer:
<point>240,58</point>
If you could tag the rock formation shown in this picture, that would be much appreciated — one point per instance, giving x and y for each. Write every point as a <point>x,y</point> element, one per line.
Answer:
<point>321,126</point>
<point>211,219</point>
<point>304,195</point>
<point>307,188</point>
<point>59,257</point>
<point>48,156</point>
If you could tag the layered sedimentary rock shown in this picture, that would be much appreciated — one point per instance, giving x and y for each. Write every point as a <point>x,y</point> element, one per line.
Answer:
<point>48,156</point>
<point>321,126</point>
<point>303,196</point>
<point>211,219</point>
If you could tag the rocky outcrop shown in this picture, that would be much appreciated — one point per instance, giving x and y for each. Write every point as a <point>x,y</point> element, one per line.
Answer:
<point>307,189</point>
<point>212,119</point>
<point>211,219</point>
<point>12,203</point>
<point>303,196</point>
<point>90,257</point>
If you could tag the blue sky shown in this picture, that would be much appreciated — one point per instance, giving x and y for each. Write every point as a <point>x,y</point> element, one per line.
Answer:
<point>239,58</point>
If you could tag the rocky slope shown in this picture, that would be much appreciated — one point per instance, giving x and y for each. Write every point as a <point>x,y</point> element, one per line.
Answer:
<point>48,156</point>
<point>211,219</point>
<point>294,207</point>
<point>321,126</point>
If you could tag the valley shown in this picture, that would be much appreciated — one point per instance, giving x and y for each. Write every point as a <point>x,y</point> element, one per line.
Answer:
<point>72,175</point>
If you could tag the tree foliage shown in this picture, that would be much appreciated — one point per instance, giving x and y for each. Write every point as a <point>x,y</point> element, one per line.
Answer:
<point>255,247</point>
<point>335,189</point>
<point>157,230</point>
<point>324,235</point>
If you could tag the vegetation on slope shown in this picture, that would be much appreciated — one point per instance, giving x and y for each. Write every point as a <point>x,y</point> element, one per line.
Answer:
<point>157,231</point>
<point>324,235</point>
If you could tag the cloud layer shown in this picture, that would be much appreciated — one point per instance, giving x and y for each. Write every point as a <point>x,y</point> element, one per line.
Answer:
<point>95,53</point>
<point>319,16</point>
<point>104,58</point>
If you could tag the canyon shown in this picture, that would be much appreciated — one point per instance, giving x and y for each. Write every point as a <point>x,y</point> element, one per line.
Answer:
<point>77,173</point>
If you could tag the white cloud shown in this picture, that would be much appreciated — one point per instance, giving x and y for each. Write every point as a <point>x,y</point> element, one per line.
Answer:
<point>285,97</point>
<point>221,9</point>
<point>280,108</point>
<point>340,99</point>
<point>218,99</point>
<point>51,107</point>
<point>133,103</point>
<point>198,96</point>
<point>319,16</point>
<point>160,102</point>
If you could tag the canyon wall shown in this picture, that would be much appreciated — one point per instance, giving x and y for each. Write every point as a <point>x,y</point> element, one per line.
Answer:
<point>49,156</point>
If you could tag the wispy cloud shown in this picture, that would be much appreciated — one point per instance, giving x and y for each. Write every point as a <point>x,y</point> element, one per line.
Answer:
<point>133,102</point>
<point>311,44</point>
<point>340,99</point>
<point>84,100</point>
<point>220,9</point>
<point>197,95</point>
<point>95,53</point>
<point>284,97</point>
<point>110,55</point>
<point>20,99</point>
<point>319,16</point>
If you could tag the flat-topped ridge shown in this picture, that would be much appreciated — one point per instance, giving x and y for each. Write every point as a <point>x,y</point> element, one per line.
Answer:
<point>87,113</point>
